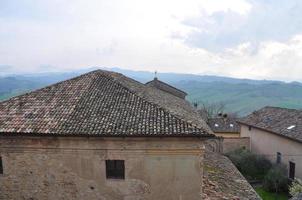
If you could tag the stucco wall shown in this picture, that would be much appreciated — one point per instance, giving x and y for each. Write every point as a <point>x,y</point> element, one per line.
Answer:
<point>231,144</point>
<point>269,144</point>
<point>74,168</point>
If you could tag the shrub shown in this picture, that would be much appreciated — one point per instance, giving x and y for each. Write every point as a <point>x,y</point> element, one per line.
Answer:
<point>296,187</point>
<point>276,179</point>
<point>252,166</point>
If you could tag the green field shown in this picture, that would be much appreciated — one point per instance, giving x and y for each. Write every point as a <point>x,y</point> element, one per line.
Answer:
<point>270,196</point>
<point>244,98</point>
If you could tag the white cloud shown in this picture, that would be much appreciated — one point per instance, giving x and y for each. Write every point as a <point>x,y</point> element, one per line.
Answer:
<point>149,35</point>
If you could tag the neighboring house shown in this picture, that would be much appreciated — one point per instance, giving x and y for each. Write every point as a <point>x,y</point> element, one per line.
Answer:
<point>224,126</point>
<point>228,128</point>
<point>105,136</point>
<point>277,134</point>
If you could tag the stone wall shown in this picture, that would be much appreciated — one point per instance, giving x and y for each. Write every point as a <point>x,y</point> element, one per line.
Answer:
<point>38,168</point>
<point>227,134</point>
<point>166,88</point>
<point>230,144</point>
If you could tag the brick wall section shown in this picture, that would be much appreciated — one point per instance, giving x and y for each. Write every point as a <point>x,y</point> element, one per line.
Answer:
<point>230,144</point>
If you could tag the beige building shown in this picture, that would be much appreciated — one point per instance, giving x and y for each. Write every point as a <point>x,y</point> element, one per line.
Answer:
<point>277,134</point>
<point>105,136</point>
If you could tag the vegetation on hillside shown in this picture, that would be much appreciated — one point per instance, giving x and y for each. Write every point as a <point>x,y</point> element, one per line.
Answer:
<point>240,96</point>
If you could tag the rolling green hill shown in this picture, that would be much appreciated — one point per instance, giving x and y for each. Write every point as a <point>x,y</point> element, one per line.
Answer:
<point>239,95</point>
<point>244,98</point>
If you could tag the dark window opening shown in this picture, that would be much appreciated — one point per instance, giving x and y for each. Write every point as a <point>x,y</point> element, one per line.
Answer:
<point>292,169</point>
<point>250,128</point>
<point>115,169</point>
<point>278,161</point>
<point>1,166</point>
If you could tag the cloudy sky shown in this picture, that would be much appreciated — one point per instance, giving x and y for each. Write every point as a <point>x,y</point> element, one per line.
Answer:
<point>259,39</point>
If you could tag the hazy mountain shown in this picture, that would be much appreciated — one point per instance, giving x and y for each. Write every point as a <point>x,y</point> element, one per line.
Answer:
<point>239,95</point>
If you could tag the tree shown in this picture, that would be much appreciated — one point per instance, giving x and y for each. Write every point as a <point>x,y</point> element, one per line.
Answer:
<point>296,187</point>
<point>276,179</point>
<point>210,110</point>
<point>252,166</point>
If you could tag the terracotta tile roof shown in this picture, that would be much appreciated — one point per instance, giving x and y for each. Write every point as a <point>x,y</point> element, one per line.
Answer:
<point>281,121</point>
<point>224,125</point>
<point>222,180</point>
<point>100,103</point>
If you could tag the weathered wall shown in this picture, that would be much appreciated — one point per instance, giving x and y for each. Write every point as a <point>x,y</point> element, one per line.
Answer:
<point>231,144</point>
<point>269,144</point>
<point>74,168</point>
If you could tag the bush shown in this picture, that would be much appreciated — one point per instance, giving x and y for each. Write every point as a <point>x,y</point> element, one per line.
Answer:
<point>296,187</point>
<point>276,179</point>
<point>252,166</point>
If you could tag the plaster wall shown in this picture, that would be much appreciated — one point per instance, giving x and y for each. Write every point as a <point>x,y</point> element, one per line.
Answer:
<point>231,144</point>
<point>268,144</point>
<point>38,168</point>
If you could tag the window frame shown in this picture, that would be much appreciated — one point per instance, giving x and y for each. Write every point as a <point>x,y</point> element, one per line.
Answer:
<point>1,166</point>
<point>115,169</point>
<point>291,170</point>
<point>278,158</point>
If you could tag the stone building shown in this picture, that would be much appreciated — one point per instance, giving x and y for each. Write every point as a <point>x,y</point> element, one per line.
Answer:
<point>276,133</point>
<point>105,136</point>
<point>167,88</point>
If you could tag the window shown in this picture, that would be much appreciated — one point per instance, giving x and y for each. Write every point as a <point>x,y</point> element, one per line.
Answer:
<point>250,128</point>
<point>1,166</point>
<point>292,169</point>
<point>278,160</point>
<point>115,169</point>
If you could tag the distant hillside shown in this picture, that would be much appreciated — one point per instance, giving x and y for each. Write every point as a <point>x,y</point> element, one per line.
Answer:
<point>239,95</point>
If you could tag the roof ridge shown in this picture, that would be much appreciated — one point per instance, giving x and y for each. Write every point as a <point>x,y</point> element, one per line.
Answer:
<point>48,86</point>
<point>60,107</point>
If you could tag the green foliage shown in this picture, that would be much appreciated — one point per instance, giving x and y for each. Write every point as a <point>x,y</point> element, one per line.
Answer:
<point>252,166</point>
<point>296,187</point>
<point>276,179</point>
<point>265,195</point>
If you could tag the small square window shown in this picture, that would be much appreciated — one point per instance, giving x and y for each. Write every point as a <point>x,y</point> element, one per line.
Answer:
<point>1,166</point>
<point>115,169</point>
